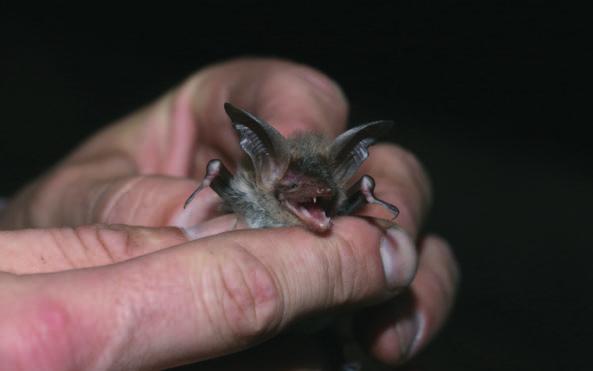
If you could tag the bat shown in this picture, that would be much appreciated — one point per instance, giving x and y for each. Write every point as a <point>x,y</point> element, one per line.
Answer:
<point>300,180</point>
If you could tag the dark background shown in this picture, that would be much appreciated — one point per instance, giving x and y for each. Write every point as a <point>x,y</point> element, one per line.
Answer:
<point>489,94</point>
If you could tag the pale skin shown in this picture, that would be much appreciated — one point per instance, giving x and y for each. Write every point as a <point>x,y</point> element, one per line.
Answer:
<point>101,268</point>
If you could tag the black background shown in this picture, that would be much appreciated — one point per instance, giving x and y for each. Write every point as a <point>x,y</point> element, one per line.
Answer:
<point>489,94</point>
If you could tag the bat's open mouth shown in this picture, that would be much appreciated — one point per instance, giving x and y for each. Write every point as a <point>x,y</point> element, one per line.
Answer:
<point>311,213</point>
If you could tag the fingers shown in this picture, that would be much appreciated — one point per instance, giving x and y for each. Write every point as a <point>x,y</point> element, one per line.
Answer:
<point>175,137</point>
<point>59,249</point>
<point>208,297</point>
<point>150,201</point>
<point>190,121</point>
<point>50,250</point>
<point>396,330</point>
<point>291,97</point>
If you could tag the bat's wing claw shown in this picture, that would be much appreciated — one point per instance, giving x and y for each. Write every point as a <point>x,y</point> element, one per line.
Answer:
<point>367,188</point>
<point>363,192</point>
<point>217,177</point>
<point>193,194</point>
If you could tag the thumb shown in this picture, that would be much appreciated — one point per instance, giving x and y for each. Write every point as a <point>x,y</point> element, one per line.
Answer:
<point>272,277</point>
<point>218,295</point>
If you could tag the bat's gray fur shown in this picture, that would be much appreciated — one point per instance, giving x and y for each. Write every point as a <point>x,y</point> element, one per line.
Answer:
<point>261,208</point>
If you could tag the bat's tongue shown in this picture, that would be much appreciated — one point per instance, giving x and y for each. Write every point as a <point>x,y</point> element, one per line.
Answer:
<point>314,216</point>
<point>309,202</point>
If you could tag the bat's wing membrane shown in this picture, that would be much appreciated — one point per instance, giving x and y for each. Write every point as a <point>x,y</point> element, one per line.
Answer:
<point>217,177</point>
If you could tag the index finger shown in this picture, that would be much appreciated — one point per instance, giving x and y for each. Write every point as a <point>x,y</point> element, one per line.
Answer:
<point>176,137</point>
<point>291,97</point>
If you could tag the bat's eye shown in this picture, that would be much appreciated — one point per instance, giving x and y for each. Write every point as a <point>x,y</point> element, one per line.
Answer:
<point>289,186</point>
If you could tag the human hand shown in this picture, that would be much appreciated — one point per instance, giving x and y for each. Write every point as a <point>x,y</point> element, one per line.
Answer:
<point>181,301</point>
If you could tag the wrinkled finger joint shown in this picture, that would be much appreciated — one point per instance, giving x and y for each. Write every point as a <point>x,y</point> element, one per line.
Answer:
<point>250,299</point>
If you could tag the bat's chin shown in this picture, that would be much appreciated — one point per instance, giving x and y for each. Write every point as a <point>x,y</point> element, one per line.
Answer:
<point>311,213</point>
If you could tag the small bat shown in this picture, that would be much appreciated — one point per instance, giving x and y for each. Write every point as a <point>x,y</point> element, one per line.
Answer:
<point>300,180</point>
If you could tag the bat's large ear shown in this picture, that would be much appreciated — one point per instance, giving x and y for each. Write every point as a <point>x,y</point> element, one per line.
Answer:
<point>350,149</point>
<point>266,147</point>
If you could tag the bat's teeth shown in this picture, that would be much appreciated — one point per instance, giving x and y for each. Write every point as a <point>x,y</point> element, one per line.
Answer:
<point>325,221</point>
<point>314,200</point>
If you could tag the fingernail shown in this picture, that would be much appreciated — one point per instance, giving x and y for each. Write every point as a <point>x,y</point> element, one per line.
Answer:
<point>408,331</point>
<point>398,256</point>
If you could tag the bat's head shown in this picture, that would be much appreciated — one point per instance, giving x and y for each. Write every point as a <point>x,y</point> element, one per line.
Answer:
<point>310,194</point>
<point>306,174</point>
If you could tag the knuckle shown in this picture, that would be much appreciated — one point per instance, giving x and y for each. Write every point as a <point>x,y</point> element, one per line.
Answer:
<point>403,156</point>
<point>104,244</point>
<point>299,79</point>
<point>138,200</point>
<point>321,82</point>
<point>250,300</point>
<point>91,245</point>
<point>119,201</point>
<point>281,87</point>
<point>116,241</point>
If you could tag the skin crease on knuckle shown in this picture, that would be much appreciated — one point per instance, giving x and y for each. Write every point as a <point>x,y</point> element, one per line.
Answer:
<point>118,200</point>
<point>342,268</point>
<point>69,184</point>
<point>257,300</point>
<point>249,297</point>
<point>94,245</point>
<point>118,242</point>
